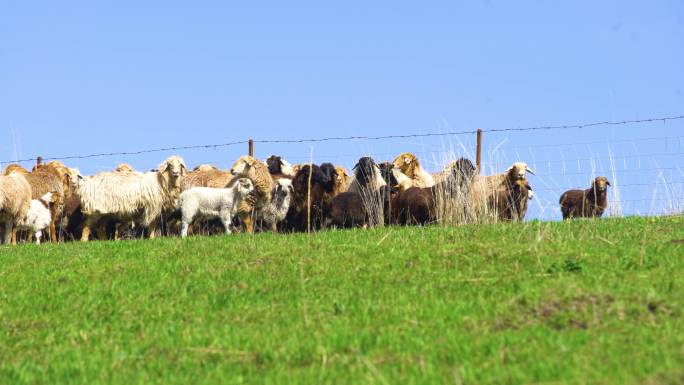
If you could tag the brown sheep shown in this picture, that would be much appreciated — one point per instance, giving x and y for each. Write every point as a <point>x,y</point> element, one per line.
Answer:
<point>249,167</point>
<point>305,202</point>
<point>42,182</point>
<point>341,181</point>
<point>589,203</point>
<point>510,204</point>
<point>422,205</point>
<point>206,177</point>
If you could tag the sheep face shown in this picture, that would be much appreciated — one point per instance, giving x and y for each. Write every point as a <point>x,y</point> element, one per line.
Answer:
<point>366,170</point>
<point>517,171</point>
<point>242,166</point>
<point>278,165</point>
<point>282,189</point>
<point>407,163</point>
<point>244,186</point>
<point>174,169</point>
<point>389,173</point>
<point>601,183</point>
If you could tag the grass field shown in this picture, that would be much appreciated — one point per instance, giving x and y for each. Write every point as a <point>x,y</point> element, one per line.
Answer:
<point>581,302</point>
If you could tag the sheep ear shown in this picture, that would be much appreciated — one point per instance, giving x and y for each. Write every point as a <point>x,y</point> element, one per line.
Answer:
<point>529,170</point>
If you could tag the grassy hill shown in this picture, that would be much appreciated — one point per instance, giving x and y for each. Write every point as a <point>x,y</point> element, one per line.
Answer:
<point>580,302</point>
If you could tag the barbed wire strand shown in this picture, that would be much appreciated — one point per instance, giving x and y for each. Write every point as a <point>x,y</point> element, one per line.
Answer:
<point>346,138</point>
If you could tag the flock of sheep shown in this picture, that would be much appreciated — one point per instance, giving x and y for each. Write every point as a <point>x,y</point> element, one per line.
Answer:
<point>264,196</point>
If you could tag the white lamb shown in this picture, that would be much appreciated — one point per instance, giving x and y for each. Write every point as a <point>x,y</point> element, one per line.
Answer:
<point>38,217</point>
<point>211,202</point>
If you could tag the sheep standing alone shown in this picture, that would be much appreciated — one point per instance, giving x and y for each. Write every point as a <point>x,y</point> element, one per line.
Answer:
<point>15,200</point>
<point>131,196</point>
<point>39,215</point>
<point>410,166</point>
<point>260,197</point>
<point>589,203</point>
<point>211,202</point>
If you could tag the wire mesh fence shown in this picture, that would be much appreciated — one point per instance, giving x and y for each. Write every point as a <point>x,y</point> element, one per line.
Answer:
<point>643,159</point>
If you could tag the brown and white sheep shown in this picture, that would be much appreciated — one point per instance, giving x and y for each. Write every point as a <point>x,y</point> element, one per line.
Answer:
<point>279,167</point>
<point>43,181</point>
<point>589,203</point>
<point>410,166</point>
<point>510,204</point>
<point>483,188</point>
<point>249,167</point>
<point>15,200</point>
<point>140,198</point>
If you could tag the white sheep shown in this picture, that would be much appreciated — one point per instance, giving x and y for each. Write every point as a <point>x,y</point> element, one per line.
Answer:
<point>15,200</point>
<point>39,215</point>
<point>140,198</point>
<point>209,202</point>
<point>276,210</point>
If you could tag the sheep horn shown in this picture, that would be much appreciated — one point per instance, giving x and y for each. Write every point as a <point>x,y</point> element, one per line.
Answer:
<point>529,170</point>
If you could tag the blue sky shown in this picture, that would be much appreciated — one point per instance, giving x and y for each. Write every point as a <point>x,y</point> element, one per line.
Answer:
<point>89,77</point>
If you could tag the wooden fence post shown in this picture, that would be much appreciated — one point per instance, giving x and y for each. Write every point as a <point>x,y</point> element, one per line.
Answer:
<point>478,151</point>
<point>251,147</point>
<point>39,161</point>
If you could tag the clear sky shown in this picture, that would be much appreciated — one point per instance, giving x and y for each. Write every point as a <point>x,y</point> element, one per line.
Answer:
<point>80,77</point>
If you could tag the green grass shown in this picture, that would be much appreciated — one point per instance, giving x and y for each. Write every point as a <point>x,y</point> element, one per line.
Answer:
<point>580,302</point>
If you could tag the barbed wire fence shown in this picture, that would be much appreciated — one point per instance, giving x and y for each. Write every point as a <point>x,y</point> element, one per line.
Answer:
<point>646,171</point>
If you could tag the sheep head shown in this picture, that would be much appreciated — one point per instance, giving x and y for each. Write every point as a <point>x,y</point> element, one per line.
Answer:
<point>278,165</point>
<point>173,169</point>
<point>407,163</point>
<point>243,165</point>
<point>460,170</point>
<point>244,186</point>
<point>328,169</point>
<point>601,183</point>
<point>15,168</point>
<point>205,168</point>
<point>282,189</point>
<point>517,171</point>
<point>123,167</point>
<point>366,171</point>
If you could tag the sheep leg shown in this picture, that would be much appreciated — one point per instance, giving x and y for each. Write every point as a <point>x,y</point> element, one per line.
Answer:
<point>151,230</point>
<point>53,230</point>
<point>184,229</point>
<point>249,224</point>
<point>274,227</point>
<point>87,225</point>
<point>39,233</point>
<point>10,234</point>
<point>226,225</point>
